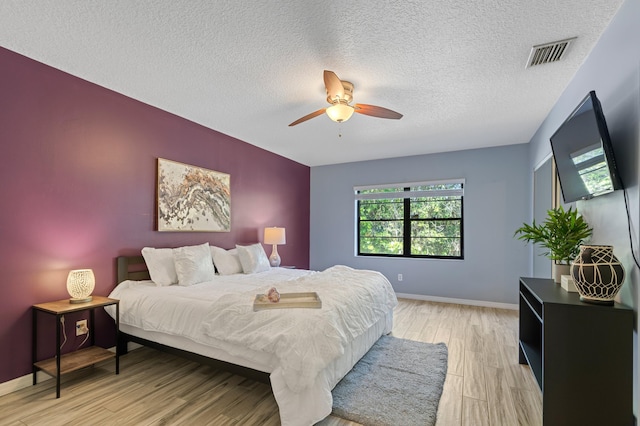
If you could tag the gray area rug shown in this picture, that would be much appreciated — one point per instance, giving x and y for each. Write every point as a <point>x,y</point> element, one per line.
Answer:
<point>398,382</point>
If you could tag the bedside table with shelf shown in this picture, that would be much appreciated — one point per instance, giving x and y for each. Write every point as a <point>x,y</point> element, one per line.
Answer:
<point>75,360</point>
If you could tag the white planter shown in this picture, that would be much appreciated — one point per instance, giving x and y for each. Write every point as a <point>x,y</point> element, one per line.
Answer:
<point>560,269</point>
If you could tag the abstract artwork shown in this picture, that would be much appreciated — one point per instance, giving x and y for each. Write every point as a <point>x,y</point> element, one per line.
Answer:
<point>192,198</point>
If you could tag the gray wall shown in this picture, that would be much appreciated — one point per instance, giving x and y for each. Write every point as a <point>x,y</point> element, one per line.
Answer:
<point>542,202</point>
<point>496,202</point>
<point>613,71</point>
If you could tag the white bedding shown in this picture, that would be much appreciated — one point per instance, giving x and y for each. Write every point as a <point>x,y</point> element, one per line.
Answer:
<point>305,361</point>
<point>305,341</point>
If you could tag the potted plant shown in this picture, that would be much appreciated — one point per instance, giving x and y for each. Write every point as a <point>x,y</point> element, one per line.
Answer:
<point>560,234</point>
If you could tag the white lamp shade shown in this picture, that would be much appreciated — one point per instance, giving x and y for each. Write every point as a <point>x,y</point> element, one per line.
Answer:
<point>80,285</point>
<point>274,236</point>
<point>340,112</point>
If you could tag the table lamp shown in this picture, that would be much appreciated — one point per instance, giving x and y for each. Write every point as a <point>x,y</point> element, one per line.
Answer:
<point>80,284</point>
<point>274,236</point>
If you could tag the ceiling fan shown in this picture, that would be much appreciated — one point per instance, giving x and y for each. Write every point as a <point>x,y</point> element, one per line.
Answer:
<point>340,95</point>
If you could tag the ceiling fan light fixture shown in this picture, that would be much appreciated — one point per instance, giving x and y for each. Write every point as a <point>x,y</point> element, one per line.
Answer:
<point>340,112</point>
<point>340,95</point>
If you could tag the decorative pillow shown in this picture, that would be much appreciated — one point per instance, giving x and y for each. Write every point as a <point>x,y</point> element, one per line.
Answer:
<point>160,265</point>
<point>226,261</point>
<point>193,264</point>
<point>253,258</point>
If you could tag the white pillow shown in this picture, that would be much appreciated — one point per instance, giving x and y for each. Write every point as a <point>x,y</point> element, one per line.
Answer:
<point>160,265</point>
<point>226,261</point>
<point>253,258</point>
<point>193,264</point>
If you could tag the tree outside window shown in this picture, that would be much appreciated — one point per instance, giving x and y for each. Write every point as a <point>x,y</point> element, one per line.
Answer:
<point>411,220</point>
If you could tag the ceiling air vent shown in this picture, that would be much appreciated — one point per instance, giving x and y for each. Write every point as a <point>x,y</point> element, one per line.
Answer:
<point>548,52</point>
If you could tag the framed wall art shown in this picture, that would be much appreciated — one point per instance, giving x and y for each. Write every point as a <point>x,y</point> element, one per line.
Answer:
<point>192,199</point>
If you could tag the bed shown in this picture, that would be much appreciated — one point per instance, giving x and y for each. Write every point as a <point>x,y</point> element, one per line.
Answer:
<point>301,353</point>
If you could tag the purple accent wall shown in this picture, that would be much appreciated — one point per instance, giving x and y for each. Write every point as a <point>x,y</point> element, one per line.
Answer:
<point>78,184</point>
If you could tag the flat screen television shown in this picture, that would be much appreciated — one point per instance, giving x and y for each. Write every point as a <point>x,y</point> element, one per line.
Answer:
<point>583,153</point>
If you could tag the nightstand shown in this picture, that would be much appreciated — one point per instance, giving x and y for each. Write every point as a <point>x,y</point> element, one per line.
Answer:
<point>72,361</point>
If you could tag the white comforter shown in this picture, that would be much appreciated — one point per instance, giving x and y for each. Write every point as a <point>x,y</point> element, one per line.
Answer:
<point>179,310</point>
<point>305,341</point>
<point>220,314</point>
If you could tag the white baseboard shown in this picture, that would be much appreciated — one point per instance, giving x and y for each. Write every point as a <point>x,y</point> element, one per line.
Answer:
<point>27,380</point>
<point>22,382</point>
<point>483,303</point>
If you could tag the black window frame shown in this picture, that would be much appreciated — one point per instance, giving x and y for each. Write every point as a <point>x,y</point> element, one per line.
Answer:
<point>407,220</point>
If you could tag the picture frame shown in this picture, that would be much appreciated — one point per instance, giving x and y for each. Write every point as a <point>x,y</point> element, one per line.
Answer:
<point>192,199</point>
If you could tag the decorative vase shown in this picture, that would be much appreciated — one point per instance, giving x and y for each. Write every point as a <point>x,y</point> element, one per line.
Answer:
<point>597,274</point>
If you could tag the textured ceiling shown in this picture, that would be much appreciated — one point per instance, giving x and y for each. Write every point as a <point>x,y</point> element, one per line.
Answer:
<point>454,68</point>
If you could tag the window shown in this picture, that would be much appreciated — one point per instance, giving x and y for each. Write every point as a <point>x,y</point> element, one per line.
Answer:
<point>418,219</point>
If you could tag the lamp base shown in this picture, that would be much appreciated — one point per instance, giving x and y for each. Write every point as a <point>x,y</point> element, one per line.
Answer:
<point>274,259</point>
<point>80,300</point>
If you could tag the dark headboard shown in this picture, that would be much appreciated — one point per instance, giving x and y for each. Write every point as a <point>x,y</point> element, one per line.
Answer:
<point>132,268</point>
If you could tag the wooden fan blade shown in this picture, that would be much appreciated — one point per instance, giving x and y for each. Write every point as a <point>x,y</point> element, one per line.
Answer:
<point>308,117</point>
<point>376,111</point>
<point>333,85</point>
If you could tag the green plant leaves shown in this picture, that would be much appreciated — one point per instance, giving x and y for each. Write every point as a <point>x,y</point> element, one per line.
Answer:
<point>561,234</point>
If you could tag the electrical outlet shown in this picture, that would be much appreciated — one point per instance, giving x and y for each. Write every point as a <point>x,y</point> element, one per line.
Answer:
<point>81,327</point>
<point>399,277</point>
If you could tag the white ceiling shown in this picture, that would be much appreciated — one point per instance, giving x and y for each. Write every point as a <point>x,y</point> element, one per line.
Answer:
<point>454,68</point>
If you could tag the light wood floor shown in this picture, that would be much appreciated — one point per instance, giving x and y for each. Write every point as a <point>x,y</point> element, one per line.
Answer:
<point>485,385</point>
